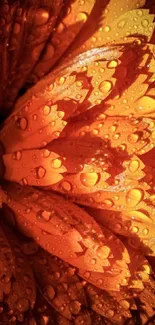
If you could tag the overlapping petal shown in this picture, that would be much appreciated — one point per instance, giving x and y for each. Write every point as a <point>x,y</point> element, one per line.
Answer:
<point>32,23</point>
<point>74,16</point>
<point>17,284</point>
<point>56,223</point>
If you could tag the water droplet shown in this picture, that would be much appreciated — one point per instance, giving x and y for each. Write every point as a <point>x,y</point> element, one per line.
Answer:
<point>61,114</point>
<point>43,216</point>
<point>57,275</point>
<point>99,281</point>
<point>103,251</point>
<point>107,29</point>
<point>28,290</point>
<point>75,307</point>
<point>118,227</point>
<point>66,186</point>
<point>93,261</point>
<point>121,23</point>
<point>60,28</point>
<point>60,81</point>
<point>82,16</point>
<point>50,292</point>
<point>89,179</point>
<point>56,163</point>
<point>18,155</point>
<point>116,136</point>
<point>35,117</point>
<point>108,203</point>
<point>112,64</point>
<point>133,138</point>
<point>22,123</point>
<point>41,17</point>
<point>145,231</point>
<point>46,110</point>
<point>41,171</point>
<point>46,153</point>
<point>110,312</point>
<point>95,132</point>
<point>145,23</point>
<point>135,229</point>
<point>23,305</point>
<point>24,181</point>
<point>139,12</point>
<point>134,196</point>
<point>146,105</point>
<point>113,128</point>
<point>105,86</point>
<point>133,166</point>
<point>87,275</point>
<point>16,28</point>
<point>125,304</point>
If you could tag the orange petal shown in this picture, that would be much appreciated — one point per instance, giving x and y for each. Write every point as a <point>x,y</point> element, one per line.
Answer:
<point>42,113</point>
<point>34,26</point>
<point>65,32</point>
<point>59,284</point>
<point>86,244</point>
<point>127,134</point>
<point>104,304</point>
<point>118,24</point>
<point>22,293</point>
<point>7,13</point>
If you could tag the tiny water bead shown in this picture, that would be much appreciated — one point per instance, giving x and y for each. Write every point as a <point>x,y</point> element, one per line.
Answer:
<point>22,123</point>
<point>44,216</point>
<point>50,292</point>
<point>40,171</point>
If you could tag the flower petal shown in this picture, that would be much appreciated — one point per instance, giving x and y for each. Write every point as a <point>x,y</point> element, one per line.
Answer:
<point>74,18</point>
<point>59,284</point>
<point>119,23</point>
<point>42,113</point>
<point>87,246</point>
<point>18,274</point>
<point>32,26</point>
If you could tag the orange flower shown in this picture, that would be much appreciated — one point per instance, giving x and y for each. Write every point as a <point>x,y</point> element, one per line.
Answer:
<point>77,162</point>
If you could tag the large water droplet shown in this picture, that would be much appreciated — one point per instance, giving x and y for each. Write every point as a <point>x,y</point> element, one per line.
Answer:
<point>105,86</point>
<point>112,64</point>
<point>82,16</point>
<point>146,105</point>
<point>133,166</point>
<point>134,196</point>
<point>133,138</point>
<point>56,163</point>
<point>89,179</point>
